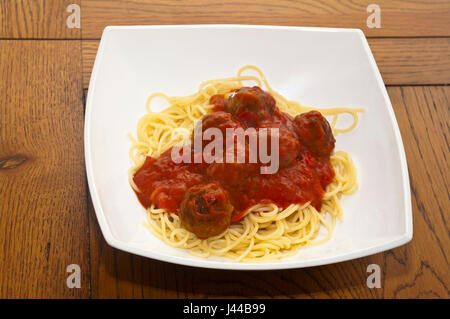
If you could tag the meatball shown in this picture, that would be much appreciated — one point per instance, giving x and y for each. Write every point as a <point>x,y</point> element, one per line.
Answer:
<point>206,210</point>
<point>285,119</point>
<point>251,104</point>
<point>288,143</point>
<point>219,101</point>
<point>220,120</point>
<point>315,133</point>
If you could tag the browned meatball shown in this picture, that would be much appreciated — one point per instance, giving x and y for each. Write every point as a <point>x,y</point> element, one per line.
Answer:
<point>206,210</point>
<point>315,133</point>
<point>251,104</point>
<point>288,144</point>
<point>220,120</point>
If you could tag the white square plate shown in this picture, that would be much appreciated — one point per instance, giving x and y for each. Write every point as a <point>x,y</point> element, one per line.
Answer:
<point>316,66</point>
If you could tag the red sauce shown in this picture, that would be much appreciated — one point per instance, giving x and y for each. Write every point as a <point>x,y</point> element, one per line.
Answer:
<point>300,178</point>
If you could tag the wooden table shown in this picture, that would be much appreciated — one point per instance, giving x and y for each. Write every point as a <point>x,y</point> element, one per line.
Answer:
<point>46,218</point>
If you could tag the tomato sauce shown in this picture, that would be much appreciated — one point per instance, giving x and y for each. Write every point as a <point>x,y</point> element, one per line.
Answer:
<point>302,177</point>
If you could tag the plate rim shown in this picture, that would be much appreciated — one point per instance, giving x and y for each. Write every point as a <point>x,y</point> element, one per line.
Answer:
<point>232,265</point>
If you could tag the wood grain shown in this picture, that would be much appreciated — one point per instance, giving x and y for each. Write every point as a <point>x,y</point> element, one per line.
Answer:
<point>416,270</point>
<point>398,17</point>
<point>412,61</point>
<point>43,221</point>
<point>401,61</point>
<point>36,19</point>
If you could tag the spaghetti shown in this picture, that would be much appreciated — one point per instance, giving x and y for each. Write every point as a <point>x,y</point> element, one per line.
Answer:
<point>266,232</point>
